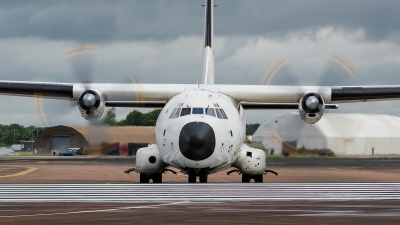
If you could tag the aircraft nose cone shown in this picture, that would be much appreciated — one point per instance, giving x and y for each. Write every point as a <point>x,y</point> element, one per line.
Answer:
<point>197,141</point>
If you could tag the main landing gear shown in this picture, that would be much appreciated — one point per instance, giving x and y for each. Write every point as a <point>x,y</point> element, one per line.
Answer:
<point>258,178</point>
<point>145,178</point>
<point>247,178</point>
<point>156,178</point>
<point>194,173</point>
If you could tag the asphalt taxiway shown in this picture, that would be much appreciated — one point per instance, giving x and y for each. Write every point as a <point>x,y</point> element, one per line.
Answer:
<point>87,190</point>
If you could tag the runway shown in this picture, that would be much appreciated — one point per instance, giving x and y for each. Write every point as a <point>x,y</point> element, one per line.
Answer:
<point>197,192</point>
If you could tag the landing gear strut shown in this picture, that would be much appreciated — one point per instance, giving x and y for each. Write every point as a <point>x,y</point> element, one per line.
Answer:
<point>201,173</point>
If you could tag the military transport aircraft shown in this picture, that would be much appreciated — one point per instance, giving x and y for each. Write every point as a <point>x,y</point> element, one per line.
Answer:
<point>201,128</point>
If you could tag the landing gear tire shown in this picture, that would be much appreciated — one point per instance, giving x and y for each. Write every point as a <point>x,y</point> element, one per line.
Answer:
<point>258,178</point>
<point>246,178</point>
<point>145,178</point>
<point>203,174</point>
<point>157,178</point>
<point>192,176</point>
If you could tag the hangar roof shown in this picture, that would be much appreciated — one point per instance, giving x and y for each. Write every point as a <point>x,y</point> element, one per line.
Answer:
<point>336,125</point>
<point>124,134</point>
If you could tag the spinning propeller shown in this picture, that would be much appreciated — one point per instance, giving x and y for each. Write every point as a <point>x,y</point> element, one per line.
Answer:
<point>340,71</point>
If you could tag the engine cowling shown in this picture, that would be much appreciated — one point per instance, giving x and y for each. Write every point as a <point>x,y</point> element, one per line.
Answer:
<point>148,160</point>
<point>311,107</point>
<point>251,161</point>
<point>91,104</point>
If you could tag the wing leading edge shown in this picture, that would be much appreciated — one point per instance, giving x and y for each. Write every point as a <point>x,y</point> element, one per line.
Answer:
<point>156,95</point>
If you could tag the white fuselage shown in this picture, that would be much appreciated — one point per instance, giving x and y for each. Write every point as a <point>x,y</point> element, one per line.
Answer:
<point>229,133</point>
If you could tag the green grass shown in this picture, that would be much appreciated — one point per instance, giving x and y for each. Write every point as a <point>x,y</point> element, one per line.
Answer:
<point>21,153</point>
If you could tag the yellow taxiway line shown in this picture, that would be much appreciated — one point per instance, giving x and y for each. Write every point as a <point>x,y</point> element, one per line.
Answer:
<point>94,211</point>
<point>29,170</point>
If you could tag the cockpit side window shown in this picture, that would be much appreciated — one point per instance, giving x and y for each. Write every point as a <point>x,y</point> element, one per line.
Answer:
<point>223,114</point>
<point>198,111</point>
<point>210,112</point>
<point>185,111</point>
<point>175,113</point>
<point>219,115</point>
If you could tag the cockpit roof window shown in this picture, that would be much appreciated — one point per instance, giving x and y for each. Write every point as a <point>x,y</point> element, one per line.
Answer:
<point>223,114</point>
<point>198,111</point>
<point>210,112</point>
<point>219,115</point>
<point>175,113</point>
<point>185,111</point>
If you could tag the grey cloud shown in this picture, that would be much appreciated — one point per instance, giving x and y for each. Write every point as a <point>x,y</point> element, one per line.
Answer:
<point>102,21</point>
<point>162,41</point>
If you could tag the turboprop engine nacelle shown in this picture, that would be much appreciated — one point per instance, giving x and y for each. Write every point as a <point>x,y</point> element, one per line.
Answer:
<point>311,107</point>
<point>91,104</point>
<point>148,160</point>
<point>251,161</point>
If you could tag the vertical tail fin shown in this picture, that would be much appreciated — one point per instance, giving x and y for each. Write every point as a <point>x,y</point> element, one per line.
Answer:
<point>208,52</point>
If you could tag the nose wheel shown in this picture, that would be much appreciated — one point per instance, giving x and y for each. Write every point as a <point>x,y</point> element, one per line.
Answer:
<point>194,173</point>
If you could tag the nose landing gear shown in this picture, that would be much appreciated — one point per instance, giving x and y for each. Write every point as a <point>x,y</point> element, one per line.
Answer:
<point>194,173</point>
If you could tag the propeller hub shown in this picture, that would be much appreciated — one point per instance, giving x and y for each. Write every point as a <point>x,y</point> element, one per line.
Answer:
<point>89,100</point>
<point>312,102</point>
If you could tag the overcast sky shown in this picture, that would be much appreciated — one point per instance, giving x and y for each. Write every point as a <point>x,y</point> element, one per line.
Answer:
<point>162,42</point>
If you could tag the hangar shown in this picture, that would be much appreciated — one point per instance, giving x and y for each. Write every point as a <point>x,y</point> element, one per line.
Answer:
<point>344,134</point>
<point>64,137</point>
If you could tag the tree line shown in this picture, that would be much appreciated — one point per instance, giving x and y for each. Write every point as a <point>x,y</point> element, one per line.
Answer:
<point>134,118</point>
<point>14,133</point>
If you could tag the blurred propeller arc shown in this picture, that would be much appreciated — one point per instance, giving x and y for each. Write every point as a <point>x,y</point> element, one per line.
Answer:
<point>81,60</point>
<point>339,71</point>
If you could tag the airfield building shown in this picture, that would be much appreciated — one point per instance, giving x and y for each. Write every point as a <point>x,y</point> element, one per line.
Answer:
<point>96,140</point>
<point>344,134</point>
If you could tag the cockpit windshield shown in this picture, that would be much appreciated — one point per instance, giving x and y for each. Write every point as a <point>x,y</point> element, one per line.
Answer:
<point>198,111</point>
<point>185,111</point>
<point>215,112</point>
<point>210,112</point>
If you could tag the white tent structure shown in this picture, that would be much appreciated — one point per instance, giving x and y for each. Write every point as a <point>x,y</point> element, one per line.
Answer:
<point>344,134</point>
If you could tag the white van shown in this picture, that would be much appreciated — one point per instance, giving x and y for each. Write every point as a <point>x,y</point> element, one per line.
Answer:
<point>73,150</point>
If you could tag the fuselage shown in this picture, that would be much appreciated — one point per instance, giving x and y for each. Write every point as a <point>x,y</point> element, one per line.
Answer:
<point>200,129</point>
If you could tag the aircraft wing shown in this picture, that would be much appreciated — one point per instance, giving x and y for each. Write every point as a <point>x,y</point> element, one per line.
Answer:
<point>156,95</point>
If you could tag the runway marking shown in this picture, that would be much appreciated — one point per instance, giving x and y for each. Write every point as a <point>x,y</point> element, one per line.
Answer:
<point>29,170</point>
<point>197,192</point>
<point>95,211</point>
